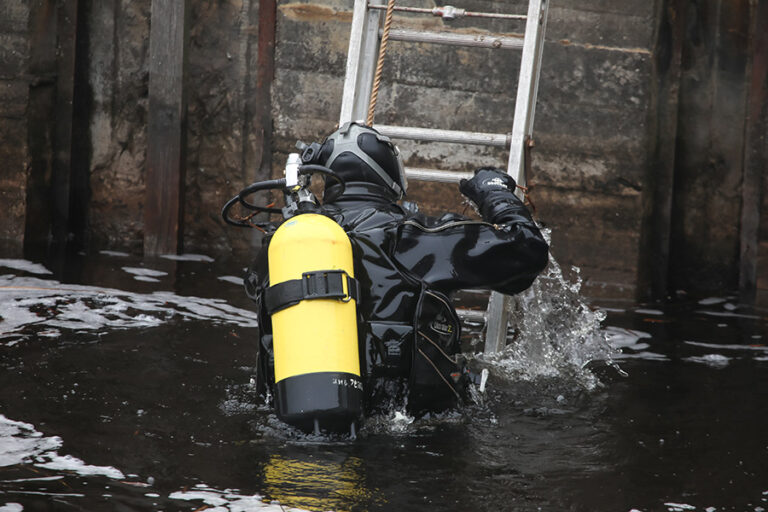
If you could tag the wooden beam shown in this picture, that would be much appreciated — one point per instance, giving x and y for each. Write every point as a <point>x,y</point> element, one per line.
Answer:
<point>657,199</point>
<point>755,152</point>
<point>265,74</point>
<point>166,132</point>
<point>66,13</point>
<point>40,111</point>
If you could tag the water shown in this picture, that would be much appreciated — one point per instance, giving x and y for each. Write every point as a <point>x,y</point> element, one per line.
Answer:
<point>124,393</point>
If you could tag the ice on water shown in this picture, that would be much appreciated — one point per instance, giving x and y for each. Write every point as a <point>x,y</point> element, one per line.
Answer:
<point>48,305</point>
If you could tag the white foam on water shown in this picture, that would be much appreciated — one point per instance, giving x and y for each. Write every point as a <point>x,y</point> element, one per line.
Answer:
<point>188,257</point>
<point>229,500</point>
<point>231,279</point>
<point>25,266</point>
<point>21,443</point>
<point>33,302</point>
<point>11,507</point>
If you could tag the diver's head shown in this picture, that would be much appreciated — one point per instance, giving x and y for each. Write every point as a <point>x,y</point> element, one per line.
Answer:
<point>358,153</point>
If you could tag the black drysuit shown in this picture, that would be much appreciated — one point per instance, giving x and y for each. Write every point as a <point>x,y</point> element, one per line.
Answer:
<point>408,265</point>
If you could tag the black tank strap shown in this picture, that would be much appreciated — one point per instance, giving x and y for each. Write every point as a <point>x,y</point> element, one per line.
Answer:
<point>321,284</point>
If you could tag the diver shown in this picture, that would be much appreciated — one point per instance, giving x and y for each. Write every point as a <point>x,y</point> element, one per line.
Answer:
<point>407,266</point>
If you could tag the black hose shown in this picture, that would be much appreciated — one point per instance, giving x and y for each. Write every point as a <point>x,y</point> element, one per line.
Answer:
<point>325,171</point>
<point>250,189</point>
<point>271,185</point>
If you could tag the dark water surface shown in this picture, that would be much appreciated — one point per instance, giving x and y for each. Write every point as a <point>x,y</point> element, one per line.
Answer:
<point>118,393</point>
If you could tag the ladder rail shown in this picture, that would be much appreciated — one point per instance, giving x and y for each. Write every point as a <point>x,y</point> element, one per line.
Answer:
<point>525,106</point>
<point>528,86</point>
<point>358,78</point>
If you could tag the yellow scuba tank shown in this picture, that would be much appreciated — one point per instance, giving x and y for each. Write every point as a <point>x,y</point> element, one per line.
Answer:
<point>312,301</point>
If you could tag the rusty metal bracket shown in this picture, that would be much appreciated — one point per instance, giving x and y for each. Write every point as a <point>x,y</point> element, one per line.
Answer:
<point>528,146</point>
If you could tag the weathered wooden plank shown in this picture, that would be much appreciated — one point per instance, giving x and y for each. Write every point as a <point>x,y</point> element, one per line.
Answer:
<point>755,153</point>
<point>62,132</point>
<point>166,130</point>
<point>265,74</point>
<point>657,198</point>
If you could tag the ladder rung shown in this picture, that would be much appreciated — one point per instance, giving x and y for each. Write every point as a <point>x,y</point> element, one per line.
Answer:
<point>471,314</point>
<point>415,173</point>
<point>456,137</point>
<point>474,40</point>
<point>450,12</point>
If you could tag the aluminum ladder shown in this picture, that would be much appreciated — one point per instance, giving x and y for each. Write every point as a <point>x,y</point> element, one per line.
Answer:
<point>364,44</point>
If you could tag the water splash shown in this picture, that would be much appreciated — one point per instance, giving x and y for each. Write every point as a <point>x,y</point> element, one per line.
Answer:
<point>556,333</point>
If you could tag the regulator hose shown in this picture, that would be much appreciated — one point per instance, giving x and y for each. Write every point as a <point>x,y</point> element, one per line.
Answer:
<point>325,171</point>
<point>240,198</point>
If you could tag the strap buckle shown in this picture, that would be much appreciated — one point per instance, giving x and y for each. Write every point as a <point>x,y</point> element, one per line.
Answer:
<point>327,284</point>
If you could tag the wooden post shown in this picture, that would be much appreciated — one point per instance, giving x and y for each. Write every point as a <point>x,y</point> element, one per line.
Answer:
<point>166,133</point>
<point>265,73</point>
<point>755,152</point>
<point>657,200</point>
<point>62,131</point>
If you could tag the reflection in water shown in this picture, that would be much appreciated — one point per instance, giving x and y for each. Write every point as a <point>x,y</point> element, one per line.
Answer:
<point>326,481</point>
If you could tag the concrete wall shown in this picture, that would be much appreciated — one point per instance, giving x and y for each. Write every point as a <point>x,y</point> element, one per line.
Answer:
<point>590,128</point>
<point>596,124</point>
<point>221,157</point>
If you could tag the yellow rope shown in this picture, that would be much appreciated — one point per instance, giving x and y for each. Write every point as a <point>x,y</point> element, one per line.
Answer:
<point>380,62</point>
